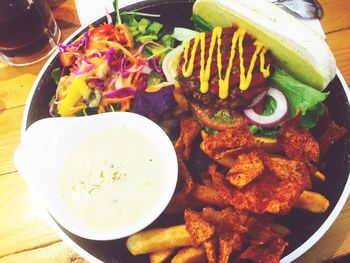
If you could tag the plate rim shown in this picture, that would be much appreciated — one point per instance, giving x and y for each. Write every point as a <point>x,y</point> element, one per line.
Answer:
<point>303,248</point>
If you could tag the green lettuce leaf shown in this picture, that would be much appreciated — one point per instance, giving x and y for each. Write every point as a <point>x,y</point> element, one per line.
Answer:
<point>270,106</point>
<point>300,96</point>
<point>269,132</point>
<point>56,74</point>
<point>312,116</point>
<point>269,109</point>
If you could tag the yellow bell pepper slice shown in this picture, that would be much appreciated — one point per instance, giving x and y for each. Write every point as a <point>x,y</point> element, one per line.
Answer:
<point>76,90</point>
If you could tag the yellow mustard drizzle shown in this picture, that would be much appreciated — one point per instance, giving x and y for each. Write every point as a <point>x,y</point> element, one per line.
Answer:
<point>205,70</point>
<point>224,84</point>
<point>204,81</point>
<point>263,70</point>
<point>187,67</point>
<point>205,66</point>
<point>245,79</point>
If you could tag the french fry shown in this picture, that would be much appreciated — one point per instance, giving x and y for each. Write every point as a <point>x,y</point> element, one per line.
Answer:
<point>161,256</point>
<point>261,232</point>
<point>313,202</point>
<point>310,201</point>
<point>227,219</point>
<point>316,175</point>
<point>179,203</point>
<point>226,161</point>
<point>204,135</point>
<point>269,144</point>
<point>208,195</point>
<point>280,230</point>
<point>319,177</point>
<point>158,239</point>
<point>190,255</point>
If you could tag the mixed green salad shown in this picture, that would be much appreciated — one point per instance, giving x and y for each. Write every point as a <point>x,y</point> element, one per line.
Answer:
<point>120,67</point>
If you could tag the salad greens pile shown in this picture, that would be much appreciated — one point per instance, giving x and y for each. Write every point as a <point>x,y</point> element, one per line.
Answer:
<point>144,30</point>
<point>154,35</point>
<point>115,67</point>
<point>120,67</point>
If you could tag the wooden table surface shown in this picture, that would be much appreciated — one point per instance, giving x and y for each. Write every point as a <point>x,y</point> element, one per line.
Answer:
<point>25,236</point>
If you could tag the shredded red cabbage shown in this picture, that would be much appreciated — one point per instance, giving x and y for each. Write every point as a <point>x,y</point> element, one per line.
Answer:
<point>96,82</point>
<point>142,83</point>
<point>110,56</point>
<point>120,93</point>
<point>121,70</point>
<point>85,67</point>
<point>136,69</point>
<point>155,66</point>
<point>84,41</point>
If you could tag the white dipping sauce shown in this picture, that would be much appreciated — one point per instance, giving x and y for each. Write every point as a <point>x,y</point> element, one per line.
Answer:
<point>113,178</point>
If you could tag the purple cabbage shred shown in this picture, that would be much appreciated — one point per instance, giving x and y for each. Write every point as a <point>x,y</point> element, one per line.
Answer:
<point>154,105</point>
<point>155,66</point>
<point>120,93</point>
<point>110,56</point>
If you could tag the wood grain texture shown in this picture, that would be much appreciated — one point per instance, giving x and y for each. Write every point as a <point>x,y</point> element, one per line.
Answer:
<point>339,42</point>
<point>55,253</point>
<point>10,125</point>
<point>24,234</point>
<point>66,17</point>
<point>23,225</point>
<point>336,15</point>
<point>14,91</point>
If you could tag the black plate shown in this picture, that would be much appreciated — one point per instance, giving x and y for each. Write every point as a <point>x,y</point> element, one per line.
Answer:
<point>302,224</point>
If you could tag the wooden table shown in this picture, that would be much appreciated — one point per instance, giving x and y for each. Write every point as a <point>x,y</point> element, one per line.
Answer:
<point>25,235</point>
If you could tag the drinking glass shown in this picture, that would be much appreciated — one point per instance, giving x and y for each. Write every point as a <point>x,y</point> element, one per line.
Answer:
<point>28,31</point>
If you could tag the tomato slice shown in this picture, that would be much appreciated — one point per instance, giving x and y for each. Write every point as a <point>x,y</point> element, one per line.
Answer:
<point>103,32</point>
<point>205,116</point>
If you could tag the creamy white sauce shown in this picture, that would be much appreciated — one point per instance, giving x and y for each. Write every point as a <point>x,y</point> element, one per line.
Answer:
<point>112,178</point>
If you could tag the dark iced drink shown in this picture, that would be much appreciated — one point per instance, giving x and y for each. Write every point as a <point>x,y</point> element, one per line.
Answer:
<point>28,31</point>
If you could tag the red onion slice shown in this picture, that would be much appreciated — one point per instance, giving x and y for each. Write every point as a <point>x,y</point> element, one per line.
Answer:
<point>272,120</point>
<point>257,99</point>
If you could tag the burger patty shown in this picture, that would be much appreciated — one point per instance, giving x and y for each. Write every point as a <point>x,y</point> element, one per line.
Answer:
<point>236,98</point>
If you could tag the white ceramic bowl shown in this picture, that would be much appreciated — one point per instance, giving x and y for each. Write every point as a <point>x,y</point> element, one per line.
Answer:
<point>41,154</point>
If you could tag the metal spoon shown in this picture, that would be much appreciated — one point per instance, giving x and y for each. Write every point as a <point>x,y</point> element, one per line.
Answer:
<point>308,9</point>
